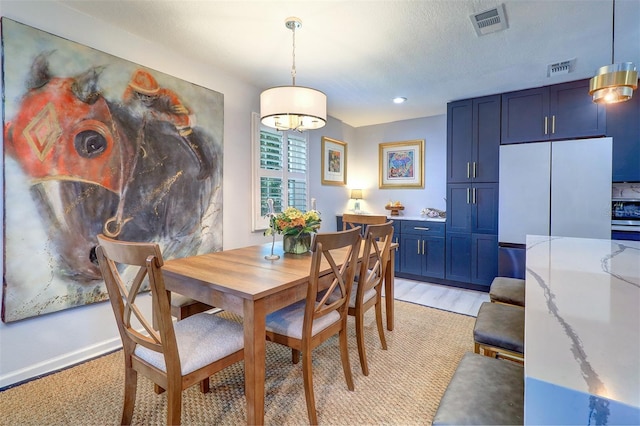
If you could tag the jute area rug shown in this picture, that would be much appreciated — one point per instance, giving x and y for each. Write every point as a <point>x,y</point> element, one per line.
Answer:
<point>404,385</point>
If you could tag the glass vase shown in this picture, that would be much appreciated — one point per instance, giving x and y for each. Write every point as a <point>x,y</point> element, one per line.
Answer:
<point>296,244</point>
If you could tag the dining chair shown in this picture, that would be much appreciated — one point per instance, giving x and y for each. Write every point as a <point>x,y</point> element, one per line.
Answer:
<point>174,357</point>
<point>366,292</point>
<point>306,324</point>
<point>351,220</point>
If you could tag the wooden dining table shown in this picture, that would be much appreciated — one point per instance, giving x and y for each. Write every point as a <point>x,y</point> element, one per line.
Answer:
<point>242,281</point>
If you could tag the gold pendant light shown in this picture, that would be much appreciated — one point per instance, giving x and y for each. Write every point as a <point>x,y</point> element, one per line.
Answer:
<point>293,107</point>
<point>616,82</point>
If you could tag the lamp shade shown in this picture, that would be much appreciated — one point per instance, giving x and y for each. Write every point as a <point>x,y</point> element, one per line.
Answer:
<point>293,108</point>
<point>614,83</point>
<point>356,194</point>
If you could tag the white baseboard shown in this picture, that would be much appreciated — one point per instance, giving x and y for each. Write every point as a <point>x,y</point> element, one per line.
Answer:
<point>55,364</point>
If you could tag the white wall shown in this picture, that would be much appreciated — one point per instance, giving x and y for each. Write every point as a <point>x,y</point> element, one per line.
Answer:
<point>364,172</point>
<point>39,345</point>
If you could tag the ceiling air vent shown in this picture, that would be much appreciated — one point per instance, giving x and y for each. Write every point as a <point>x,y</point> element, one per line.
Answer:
<point>489,21</point>
<point>558,68</point>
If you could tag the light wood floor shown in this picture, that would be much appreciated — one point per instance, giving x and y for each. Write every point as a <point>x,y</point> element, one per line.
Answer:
<point>444,297</point>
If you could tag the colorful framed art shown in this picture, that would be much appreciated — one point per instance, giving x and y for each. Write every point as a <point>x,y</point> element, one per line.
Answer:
<point>401,164</point>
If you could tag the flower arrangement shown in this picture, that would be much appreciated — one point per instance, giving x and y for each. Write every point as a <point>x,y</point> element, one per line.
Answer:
<point>293,222</point>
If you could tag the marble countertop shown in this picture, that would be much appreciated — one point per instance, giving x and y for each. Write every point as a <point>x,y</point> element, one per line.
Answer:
<point>582,331</point>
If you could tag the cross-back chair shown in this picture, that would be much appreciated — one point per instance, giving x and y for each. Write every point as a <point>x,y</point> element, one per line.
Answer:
<point>367,288</point>
<point>351,220</point>
<point>174,357</point>
<point>304,325</point>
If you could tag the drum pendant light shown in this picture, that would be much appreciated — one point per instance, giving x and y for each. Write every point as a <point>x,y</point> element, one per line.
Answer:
<point>293,107</point>
<point>616,82</point>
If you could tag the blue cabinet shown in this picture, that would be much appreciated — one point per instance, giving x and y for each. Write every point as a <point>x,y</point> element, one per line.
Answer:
<point>623,125</point>
<point>472,208</point>
<point>560,111</point>
<point>422,248</point>
<point>473,140</point>
<point>471,258</point>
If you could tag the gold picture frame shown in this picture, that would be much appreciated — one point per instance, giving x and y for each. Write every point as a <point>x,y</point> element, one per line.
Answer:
<point>334,162</point>
<point>401,164</point>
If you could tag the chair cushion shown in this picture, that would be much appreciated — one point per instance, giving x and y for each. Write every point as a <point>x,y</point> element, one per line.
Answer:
<point>288,321</point>
<point>483,391</point>
<point>179,300</point>
<point>501,326</point>
<point>507,290</point>
<point>369,294</point>
<point>202,339</point>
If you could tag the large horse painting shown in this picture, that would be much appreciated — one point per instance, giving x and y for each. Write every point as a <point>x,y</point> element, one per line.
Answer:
<point>96,144</point>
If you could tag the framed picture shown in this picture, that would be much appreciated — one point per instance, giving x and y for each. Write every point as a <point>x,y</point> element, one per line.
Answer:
<point>334,162</point>
<point>401,164</point>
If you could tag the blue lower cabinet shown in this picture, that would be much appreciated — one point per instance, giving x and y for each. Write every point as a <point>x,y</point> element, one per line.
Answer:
<point>472,258</point>
<point>484,258</point>
<point>422,248</point>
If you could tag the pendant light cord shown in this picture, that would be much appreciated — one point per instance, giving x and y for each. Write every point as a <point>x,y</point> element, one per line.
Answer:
<point>293,56</point>
<point>613,31</point>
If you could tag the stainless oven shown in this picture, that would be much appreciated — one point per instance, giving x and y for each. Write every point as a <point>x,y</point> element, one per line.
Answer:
<point>625,219</point>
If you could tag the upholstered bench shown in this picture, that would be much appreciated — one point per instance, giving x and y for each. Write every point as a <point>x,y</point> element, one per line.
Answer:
<point>507,290</point>
<point>499,331</point>
<point>483,391</point>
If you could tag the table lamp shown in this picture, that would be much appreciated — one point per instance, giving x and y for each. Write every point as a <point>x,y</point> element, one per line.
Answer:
<point>356,194</point>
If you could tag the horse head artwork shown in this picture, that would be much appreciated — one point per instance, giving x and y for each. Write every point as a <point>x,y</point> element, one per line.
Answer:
<point>103,166</point>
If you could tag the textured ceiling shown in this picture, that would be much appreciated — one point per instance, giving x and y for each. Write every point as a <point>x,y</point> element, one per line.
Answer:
<point>364,53</point>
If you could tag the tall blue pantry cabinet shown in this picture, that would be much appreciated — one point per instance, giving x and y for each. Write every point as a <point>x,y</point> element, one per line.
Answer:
<point>473,146</point>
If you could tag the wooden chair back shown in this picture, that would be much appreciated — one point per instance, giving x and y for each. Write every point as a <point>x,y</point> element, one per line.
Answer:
<point>350,220</point>
<point>144,261</point>
<point>340,250</point>
<point>377,248</point>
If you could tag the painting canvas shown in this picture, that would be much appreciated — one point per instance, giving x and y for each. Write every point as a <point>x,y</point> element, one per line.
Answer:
<point>401,164</point>
<point>96,144</point>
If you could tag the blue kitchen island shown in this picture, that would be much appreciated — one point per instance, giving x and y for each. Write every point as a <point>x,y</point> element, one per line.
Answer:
<point>582,331</point>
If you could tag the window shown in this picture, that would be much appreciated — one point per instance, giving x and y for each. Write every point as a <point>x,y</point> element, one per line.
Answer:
<point>280,171</point>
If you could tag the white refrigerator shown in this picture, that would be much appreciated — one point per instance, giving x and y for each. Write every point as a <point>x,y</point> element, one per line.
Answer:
<point>559,188</point>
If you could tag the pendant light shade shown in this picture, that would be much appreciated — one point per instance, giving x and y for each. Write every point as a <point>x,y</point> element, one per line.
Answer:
<point>616,82</point>
<point>293,107</point>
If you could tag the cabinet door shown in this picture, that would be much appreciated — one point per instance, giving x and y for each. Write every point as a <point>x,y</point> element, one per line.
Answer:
<point>458,258</point>
<point>484,258</point>
<point>484,200</point>
<point>573,113</point>
<point>433,265</point>
<point>523,116</point>
<point>396,239</point>
<point>459,141</point>
<point>623,125</point>
<point>410,254</point>
<point>486,139</point>
<point>459,207</point>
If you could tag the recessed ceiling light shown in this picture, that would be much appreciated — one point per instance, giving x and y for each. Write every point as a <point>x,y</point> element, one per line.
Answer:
<point>399,100</point>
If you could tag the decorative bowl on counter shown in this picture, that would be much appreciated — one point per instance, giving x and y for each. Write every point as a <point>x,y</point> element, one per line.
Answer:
<point>395,209</point>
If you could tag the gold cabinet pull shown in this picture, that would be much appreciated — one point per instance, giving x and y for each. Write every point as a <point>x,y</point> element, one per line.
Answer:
<point>546,125</point>
<point>553,124</point>
<point>418,246</point>
<point>474,196</point>
<point>468,195</point>
<point>421,228</point>
<point>474,169</point>
<point>467,170</point>
<point>422,246</point>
